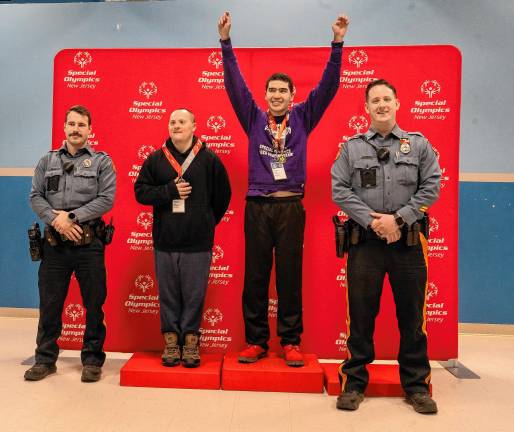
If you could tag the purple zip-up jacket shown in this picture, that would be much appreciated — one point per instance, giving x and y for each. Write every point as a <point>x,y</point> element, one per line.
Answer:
<point>303,118</point>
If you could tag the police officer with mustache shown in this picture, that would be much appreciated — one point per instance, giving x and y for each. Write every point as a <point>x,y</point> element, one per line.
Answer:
<point>72,188</point>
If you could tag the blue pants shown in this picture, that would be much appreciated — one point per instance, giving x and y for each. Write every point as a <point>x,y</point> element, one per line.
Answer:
<point>182,279</point>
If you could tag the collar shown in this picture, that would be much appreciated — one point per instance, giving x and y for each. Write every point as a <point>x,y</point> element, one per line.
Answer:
<point>396,131</point>
<point>80,151</point>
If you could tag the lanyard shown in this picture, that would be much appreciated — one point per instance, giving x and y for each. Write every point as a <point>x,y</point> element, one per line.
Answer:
<point>173,162</point>
<point>276,132</point>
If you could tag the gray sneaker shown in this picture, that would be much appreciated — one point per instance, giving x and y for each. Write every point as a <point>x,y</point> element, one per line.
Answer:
<point>349,400</point>
<point>39,371</point>
<point>422,403</point>
<point>171,355</point>
<point>91,373</point>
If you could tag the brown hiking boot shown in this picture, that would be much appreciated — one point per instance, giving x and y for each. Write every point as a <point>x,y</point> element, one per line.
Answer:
<point>349,400</point>
<point>191,351</point>
<point>422,403</point>
<point>171,355</point>
<point>39,371</point>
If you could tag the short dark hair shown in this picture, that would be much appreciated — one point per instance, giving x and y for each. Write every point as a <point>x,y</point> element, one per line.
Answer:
<point>79,109</point>
<point>280,76</point>
<point>377,83</point>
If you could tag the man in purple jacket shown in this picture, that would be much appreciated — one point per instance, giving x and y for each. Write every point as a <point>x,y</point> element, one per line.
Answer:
<point>274,213</point>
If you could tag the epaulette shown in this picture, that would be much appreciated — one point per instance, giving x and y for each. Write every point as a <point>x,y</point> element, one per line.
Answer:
<point>103,153</point>
<point>356,136</point>
<point>416,133</point>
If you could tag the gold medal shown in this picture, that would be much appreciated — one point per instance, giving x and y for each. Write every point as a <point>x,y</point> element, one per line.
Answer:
<point>281,158</point>
<point>405,145</point>
<point>87,163</point>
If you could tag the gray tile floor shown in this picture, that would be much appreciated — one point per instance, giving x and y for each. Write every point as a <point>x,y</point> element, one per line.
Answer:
<point>62,403</point>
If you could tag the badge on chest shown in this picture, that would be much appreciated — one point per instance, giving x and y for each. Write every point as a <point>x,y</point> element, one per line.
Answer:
<point>278,170</point>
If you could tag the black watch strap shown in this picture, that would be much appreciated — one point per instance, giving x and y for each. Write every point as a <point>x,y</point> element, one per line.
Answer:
<point>399,220</point>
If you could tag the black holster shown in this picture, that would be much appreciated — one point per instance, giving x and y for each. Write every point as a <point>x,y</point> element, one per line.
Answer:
<point>341,236</point>
<point>35,242</point>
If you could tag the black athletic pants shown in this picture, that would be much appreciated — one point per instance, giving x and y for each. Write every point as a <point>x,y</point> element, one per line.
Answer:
<point>273,224</point>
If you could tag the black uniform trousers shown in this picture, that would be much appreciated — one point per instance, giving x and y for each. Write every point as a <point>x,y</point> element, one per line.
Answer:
<point>273,224</point>
<point>55,270</point>
<point>368,262</point>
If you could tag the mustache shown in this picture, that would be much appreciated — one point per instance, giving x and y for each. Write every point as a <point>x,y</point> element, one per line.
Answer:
<point>75,134</point>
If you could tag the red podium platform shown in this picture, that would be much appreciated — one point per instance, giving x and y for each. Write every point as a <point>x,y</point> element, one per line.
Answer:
<point>144,369</point>
<point>384,380</point>
<point>271,374</point>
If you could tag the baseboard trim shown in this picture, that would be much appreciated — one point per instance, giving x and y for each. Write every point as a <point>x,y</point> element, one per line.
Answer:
<point>19,312</point>
<point>479,328</point>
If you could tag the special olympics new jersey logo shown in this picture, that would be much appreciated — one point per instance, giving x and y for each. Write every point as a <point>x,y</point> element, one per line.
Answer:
<point>213,316</point>
<point>147,89</point>
<point>145,219</point>
<point>217,253</point>
<point>437,154</point>
<point>144,282</point>
<point>342,340</point>
<point>74,311</point>
<point>215,59</point>
<point>430,88</point>
<point>434,225</point>
<point>358,57</point>
<point>216,123</point>
<point>432,290</point>
<point>82,59</point>
<point>359,123</point>
<point>145,151</point>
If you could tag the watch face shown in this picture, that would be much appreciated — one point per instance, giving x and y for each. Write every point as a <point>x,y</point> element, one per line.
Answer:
<point>71,215</point>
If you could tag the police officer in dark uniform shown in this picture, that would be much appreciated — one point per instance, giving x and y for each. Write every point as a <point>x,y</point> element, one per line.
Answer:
<point>385,180</point>
<point>72,188</point>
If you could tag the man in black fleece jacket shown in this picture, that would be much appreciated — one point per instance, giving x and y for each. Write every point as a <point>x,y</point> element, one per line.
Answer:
<point>189,189</point>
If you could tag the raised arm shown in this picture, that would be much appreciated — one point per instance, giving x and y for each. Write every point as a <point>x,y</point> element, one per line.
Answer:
<point>240,96</point>
<point>320,97</point>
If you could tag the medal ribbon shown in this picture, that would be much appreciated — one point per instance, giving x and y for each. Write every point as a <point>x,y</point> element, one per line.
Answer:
<point>181,169</point>
<point>276,132</point>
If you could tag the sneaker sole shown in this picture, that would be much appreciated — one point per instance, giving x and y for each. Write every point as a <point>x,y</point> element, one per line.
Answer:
<point>251,359</point>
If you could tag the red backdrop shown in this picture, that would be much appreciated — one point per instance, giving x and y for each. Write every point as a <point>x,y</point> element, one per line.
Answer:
<point>131,93</point>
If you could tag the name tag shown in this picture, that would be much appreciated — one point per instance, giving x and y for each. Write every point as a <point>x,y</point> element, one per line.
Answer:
<point>279,172</point>
<point>178,206</point>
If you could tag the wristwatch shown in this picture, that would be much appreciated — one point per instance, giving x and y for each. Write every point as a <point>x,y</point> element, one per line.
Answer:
<point>72,217</point>
<point>399,220</point>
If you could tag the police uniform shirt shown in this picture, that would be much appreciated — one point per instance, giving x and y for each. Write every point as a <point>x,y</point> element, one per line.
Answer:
<point>408,182</point>
<point>84,183</point>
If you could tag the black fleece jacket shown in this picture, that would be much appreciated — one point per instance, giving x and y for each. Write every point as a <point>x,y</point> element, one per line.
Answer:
<point>192,231</point>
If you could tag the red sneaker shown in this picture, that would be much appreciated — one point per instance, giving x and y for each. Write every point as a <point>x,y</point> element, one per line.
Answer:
<point>293,355</point>
<point>251,354</point>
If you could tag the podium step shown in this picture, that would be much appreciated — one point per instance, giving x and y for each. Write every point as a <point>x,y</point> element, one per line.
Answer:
<point>144,369</point>
<point>271,374</point>
<point>384,380</point>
